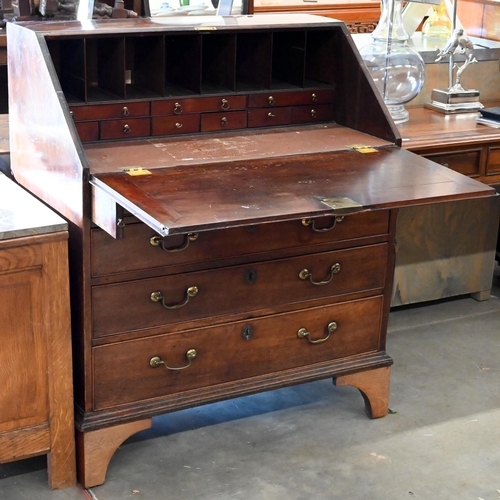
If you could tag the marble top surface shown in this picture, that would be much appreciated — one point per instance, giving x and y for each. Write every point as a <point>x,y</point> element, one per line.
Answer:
<point>21,214</point>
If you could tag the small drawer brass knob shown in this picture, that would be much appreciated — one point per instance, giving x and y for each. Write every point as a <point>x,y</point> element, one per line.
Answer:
<point>271,100</point>
<point>126,111</point>
<point>178,125</point>
<point>223,121</point>
<point>314,97</point>
<point>313,113</point>
<point>270,115</point>
<point>177,108</point>
<point>126,129</point>
<point>224,104</point>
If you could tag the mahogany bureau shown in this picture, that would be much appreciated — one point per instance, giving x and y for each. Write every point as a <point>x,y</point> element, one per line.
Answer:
<point>231,187</point>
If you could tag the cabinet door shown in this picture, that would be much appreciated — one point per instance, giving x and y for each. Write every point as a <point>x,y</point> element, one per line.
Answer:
<point>23,358</point>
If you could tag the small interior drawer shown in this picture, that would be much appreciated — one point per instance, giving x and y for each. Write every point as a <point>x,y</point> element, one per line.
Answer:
<point>211,122</point>
<point>125,129</point>
<point>88,131</point>
<point>268,117</point>
<point>276,99</point>
<point>178,298</point>
<point>306,114</point>
<point>109,111</point>
<point>141,248</point>
<point>234,351</point>
<point>198,105</point>
<point>177,124</point>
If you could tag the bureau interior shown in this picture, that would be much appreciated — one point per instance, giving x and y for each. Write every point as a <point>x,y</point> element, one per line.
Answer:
<point>110,68</point>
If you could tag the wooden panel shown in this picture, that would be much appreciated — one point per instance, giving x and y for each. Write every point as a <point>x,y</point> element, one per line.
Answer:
<point>223,354</point>
<point>128,306</point>
<point>177,124</point>
<point>445,250</point>
<point>108,111</point>
<point>24,443</point>
<point>88,131</point>
<point>198,105</point>
<point>493,161</point>
<point>269,117</point>
<point>223,121</point>
<point>248,191</point>
<point>125,129</point>
<point>23,358</point>
<point>134,252</point>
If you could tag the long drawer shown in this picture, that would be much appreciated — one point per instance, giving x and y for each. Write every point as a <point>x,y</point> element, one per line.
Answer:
<point>137,250</point>
<point>147,303</point>
<point>234,351</point>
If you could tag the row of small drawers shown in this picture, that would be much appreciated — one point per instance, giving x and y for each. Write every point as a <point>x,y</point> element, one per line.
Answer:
<point>199,105</point>
<point>196,122</point>
<point>135,370</point>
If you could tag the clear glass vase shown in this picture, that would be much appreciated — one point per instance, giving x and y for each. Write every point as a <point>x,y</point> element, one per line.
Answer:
<point>396,68</point>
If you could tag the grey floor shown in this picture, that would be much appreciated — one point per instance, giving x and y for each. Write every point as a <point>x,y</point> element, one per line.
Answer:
<point>314,442</point>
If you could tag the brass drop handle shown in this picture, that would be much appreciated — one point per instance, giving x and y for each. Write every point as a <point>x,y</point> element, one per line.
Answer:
<point>126,129</point>
<point>305,274</point>
<point>224,104</point>
<point>156,361</point>
<point>271,100</point>
<point>178,125</point>
<point>313,113</point>
<point>314,97</point>
<point>177,108</point>
<point>223,121</point>
<point>126,111</point>
<point>303,333</point>
<point>312,223</point>
<point>192,291</point>
<point>270,115</point>
<point>159,241</point>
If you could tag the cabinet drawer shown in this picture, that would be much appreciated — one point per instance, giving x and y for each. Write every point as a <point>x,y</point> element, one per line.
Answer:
<point>223,121</point>
<point>305,114</point>
<point>234,351</point>
<point>168,125</point>
<point>273,99</point>
<point>135,251</point>
<point>493,165</point>
<point>269,117</point>
<point>466,162</point>
<point>134,305</point>
<point>125,129</point>
<point>109,111</point>
<point>88,131</point>
<point>198,105</point>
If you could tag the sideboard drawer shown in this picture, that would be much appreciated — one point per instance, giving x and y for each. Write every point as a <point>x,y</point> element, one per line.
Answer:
<point>466,162</point>
<point>183,124</point>
<point>234,351</point>
<point>493,162</point>
<point>141,304</point>
<point>142,249</point>
<point>110,111</point>
<point>125,129</point>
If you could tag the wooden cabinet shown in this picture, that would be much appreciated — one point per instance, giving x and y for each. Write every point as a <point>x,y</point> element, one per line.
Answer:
<point>36,399</point>
<point>245,244</point>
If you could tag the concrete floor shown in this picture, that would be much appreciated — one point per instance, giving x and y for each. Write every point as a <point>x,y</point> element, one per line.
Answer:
<point>314,442</point>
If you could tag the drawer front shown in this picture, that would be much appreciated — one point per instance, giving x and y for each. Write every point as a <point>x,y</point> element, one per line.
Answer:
<point>88,131</point>
<point>493,165</point>
<point>466,162</point>
<point>269,117</point>
<point>109,111</point>
<point>140,304</point>
<point>223,121</point>
<point>136,251</point>
<point>168,125</point>
<point>125,129</point>
<point>311,114</point>
<point>274,99</point>
<point>198,105</point>
<point>234,351</point>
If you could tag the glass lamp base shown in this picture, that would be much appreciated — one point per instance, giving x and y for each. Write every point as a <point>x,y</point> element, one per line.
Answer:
<point>399,113</point>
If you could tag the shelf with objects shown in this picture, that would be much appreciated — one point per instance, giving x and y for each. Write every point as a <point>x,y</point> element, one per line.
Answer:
<point>231,186</point>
